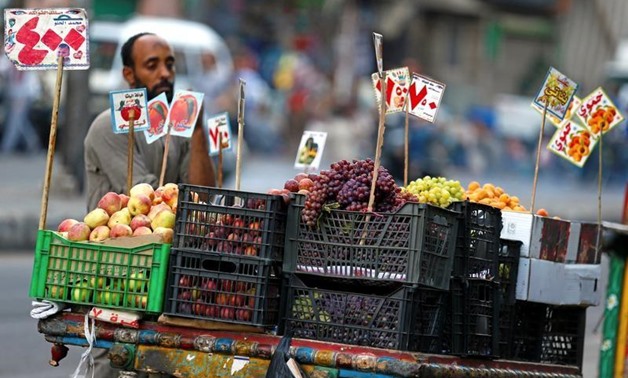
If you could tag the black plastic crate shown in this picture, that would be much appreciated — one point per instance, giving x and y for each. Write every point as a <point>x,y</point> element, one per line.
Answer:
<point>508,258</point>
<point>404,317</point>
<point>474,317</point>
<point>477,244</point>
<point>230,222</point>
<point>549,334</point>
<point>226,288</point>
<point>413,245</point>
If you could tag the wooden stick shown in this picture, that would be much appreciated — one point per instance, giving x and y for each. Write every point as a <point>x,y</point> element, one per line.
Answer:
<point>131,139</point>
<point>538,156</point>
<point>599,201</point>
<point>164,160</point>
<point>219,178</point>
<point>52,141</point>
<point>240,134</point>
<point>380,142</point>
<point>406,143</point>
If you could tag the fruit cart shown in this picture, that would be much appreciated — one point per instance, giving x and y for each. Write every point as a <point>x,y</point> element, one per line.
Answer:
<point>216,302</point>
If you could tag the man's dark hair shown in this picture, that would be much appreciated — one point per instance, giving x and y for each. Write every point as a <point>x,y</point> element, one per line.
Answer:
<point>127,49</point>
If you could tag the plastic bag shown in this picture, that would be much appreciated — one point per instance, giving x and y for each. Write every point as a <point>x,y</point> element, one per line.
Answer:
<point>278,367</point>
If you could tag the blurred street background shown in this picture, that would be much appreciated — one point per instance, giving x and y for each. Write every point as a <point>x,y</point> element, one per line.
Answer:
<point>307,65</point>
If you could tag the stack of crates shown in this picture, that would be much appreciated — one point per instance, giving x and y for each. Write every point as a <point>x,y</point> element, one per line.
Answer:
<point>473,324</point>
<point>226,257</point>
<point>377,280</point>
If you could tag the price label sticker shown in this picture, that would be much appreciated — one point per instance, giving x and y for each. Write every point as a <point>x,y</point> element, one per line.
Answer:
<point>310,150</point>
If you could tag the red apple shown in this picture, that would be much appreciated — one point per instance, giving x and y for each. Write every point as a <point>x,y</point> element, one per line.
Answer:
<point>66,224</point>
<point>139,204</point>
<point>305,184</point>
<point>143,188</point>
<point>250,251</point>
<point>300,176</point>
<point>79,232</point>
<point>291,185</point>
<point>124,200</point>
<point>120,230</point>
<point>99,233</point>
<point>142,230</point>
<point>254,228</point>
<point>184,280</point>
<point>227,313</point>
<point>110,202</point>
<point>140,220</point>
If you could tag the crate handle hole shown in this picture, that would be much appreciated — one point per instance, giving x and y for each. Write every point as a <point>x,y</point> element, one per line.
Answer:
<point>219,266</point>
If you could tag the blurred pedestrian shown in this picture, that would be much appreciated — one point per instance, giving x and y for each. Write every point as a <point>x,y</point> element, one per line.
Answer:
<point>22,89</point>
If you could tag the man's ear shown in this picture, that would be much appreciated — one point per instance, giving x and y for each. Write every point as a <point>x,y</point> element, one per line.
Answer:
<point>127,73</point>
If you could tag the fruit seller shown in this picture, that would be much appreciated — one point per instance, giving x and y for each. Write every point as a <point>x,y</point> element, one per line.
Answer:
<point>148,62</point>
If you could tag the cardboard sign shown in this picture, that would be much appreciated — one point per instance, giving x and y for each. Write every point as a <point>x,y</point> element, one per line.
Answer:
<point>216,126</point>
<point>34,39</point>
<point>573,142</point>
<point>184,111</point>
<point>157,116</point>
<point>599,113</point>
<point>310,149</point>
<point>124,318</point>
<point>424,97</point>
<point>397,86</point>
<point>124,103</point>
<point>557,91</point>
<point>571,112</point>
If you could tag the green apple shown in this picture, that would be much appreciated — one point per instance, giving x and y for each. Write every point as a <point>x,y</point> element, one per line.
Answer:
<point>56,292</point>
<point>137,281</point>
<point>82,292</point>
<point>111,298</point>
<point>96,282</point>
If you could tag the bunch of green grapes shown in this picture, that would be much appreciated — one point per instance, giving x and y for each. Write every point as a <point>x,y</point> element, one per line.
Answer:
<point>436,191</point>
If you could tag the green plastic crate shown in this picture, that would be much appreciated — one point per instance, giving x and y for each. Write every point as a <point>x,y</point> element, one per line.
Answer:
<point>95,274</point>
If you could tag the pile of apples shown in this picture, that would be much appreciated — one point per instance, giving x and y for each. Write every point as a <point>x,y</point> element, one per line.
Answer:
<point>302,183</point>
<point>145,211</point>
<point>216,298</point>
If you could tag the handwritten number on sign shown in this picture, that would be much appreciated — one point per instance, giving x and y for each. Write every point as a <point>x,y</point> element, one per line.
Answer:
<point>29,55</point>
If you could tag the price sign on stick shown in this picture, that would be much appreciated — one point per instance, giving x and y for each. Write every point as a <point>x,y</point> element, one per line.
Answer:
<point>184,112</point>
<point>219,132</point>
<point>35,39</point>
<point>424,97</point>
<point>128,115</point>
<point>43,39</point>
<point>556,92</point>
<point>123,104</point>
<point>157,116</point>
<point>310,150</point>
<point>397,85</point>
<point>378,43</point>
<point>599,113</point>
<point>572,142</point>
<point>241,103</point>
<point>554,96</point>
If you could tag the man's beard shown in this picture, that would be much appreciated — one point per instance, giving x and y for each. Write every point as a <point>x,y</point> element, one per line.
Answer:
<point>153,92</point>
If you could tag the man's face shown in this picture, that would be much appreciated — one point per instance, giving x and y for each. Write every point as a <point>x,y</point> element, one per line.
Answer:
<point>153,66</point>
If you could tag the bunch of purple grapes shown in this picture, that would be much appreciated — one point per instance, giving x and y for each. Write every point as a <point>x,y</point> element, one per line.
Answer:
<point>349,185</point>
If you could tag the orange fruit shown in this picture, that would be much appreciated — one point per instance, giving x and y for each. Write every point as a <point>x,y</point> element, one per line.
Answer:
<point>542,212</point>
<point>473,185</point>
